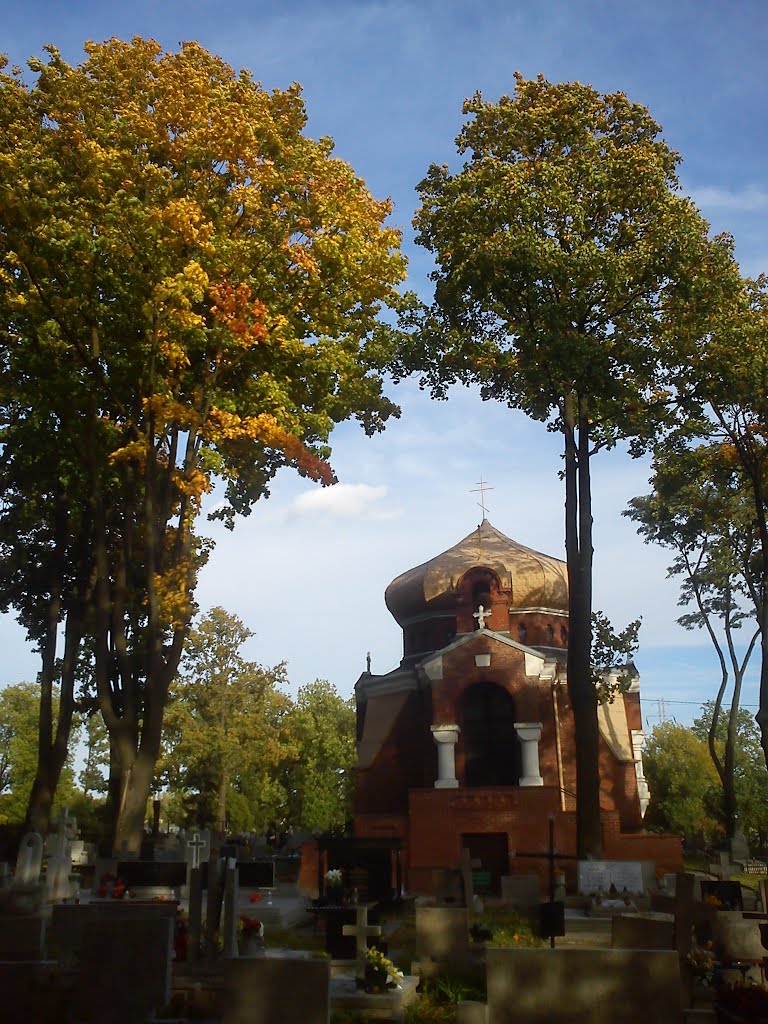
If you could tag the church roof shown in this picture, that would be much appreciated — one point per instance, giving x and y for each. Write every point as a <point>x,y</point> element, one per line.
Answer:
<point>534,580</point>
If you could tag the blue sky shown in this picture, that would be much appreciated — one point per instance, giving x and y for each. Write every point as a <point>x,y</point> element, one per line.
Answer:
<point>386,80</point>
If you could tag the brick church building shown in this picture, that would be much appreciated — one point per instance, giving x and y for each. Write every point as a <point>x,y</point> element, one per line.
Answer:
<point>469,742</point>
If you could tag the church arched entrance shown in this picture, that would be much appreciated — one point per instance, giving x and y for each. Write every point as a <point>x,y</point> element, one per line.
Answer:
<point>491,747</point>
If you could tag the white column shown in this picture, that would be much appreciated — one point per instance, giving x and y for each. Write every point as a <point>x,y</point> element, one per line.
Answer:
<point>445,738</point>
<point>529,734</point>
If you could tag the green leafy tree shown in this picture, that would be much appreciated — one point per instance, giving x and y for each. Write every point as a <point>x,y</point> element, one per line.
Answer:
<point>720,371</point>
<point>226,729</point>
<point>613,670</point>
<point>19,717</point>
<point>684,785</point>
<point>321,779</point>
<point>750,773</point>
<point>701,509</point>
<point>188,284</point>
<point>556,247</point>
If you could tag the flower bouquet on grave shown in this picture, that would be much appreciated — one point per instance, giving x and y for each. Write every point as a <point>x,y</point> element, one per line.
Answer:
<point>742,1004</point>
<point>333,884</point>
<point>250,935</point>
<point>380,972</point>
<point>111,887</point>
<point>701,962</point>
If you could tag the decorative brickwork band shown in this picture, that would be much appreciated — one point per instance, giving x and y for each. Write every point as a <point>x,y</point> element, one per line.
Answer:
<point>445,738</point>
<point>529,734</point>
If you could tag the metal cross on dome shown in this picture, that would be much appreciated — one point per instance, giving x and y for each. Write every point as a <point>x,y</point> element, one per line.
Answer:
<point>482,487</point>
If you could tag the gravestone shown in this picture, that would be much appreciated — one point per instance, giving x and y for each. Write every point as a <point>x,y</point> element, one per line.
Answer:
<point>198,848</point>
<point>447,886</point>
<point>125,970</point>
<point>643,931</point>
<point>268,989</point>
<point>195,929</point>
<point>736,937</point>
<point>229,927</point>
<point>685,890</point>
<point>256,874</point>
<point>69,921</point>
<point>739,847</point>
<point>583,986</point>
<point>362,931</point>
<point>29,861</point>
<point>597,876</point>
<point>520,890</point>
<point>152,878</point>
<point>22,937</point>
<point>57,881</point>
<point>442,934</point>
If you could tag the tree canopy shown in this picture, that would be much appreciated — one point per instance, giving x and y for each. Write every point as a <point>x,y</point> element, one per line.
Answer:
<point>226,736</point>
<point>557,247</point>
<point>188,283</point>
<point>683,783</point>
<point>701,509</point>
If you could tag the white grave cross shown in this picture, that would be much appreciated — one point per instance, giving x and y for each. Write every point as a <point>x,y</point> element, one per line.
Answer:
<point>481,615</point>
<point>362,932</point>
<point>196,843</point>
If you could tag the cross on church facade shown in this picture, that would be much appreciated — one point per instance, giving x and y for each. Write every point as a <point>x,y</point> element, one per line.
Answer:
<point>482,487</point>
<point>481,615</point>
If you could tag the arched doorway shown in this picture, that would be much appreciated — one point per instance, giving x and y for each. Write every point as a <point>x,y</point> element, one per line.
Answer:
<point>491,747</point>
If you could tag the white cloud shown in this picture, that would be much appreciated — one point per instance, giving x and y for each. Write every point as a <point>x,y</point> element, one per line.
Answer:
<point>343,501</point>
<point>748,199</point>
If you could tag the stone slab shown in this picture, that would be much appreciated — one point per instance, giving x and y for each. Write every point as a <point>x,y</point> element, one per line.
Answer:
<point>520,890</point>
<point>594,875</point>
<point>22,937</point>
<point>125,970</point>
<point>583,986</point>
<point>442,933</point>
<point>69,922</point>
<point>347,997</point>
<point>268,989</point>
<point>643,931</point>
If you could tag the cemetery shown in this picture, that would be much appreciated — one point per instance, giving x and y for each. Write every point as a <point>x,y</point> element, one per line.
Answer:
<point>206,937</point>
<point>194,293</point>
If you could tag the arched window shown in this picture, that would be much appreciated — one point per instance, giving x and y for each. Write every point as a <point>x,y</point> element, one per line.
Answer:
<point>563,635</point>
<point>522,634</point>
<point>550,634</point>
<point>491,746</point>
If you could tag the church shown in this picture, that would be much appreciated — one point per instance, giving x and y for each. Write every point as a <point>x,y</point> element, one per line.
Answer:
<point>469,742</point>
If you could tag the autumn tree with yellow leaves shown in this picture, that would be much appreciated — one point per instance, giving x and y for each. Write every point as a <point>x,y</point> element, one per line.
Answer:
<point>187,286</point>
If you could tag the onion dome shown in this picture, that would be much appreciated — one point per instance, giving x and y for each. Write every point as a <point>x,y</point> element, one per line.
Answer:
<point>528,578</point>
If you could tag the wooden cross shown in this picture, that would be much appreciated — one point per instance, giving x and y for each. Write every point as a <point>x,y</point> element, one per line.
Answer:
<point>482,487</point>
<point>196,843</point>
<point>362,932</point>
<point>481,615</point>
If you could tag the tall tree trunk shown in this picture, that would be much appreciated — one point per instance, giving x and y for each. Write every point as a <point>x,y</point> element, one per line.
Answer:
<point>583,697</point>
<point>221,803</point>
<point>41,798</point>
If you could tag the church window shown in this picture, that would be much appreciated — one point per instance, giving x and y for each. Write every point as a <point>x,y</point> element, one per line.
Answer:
<point>550,635</point>
<point>563,635</point>
<point>491,746</point>
<point>522,634</point>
